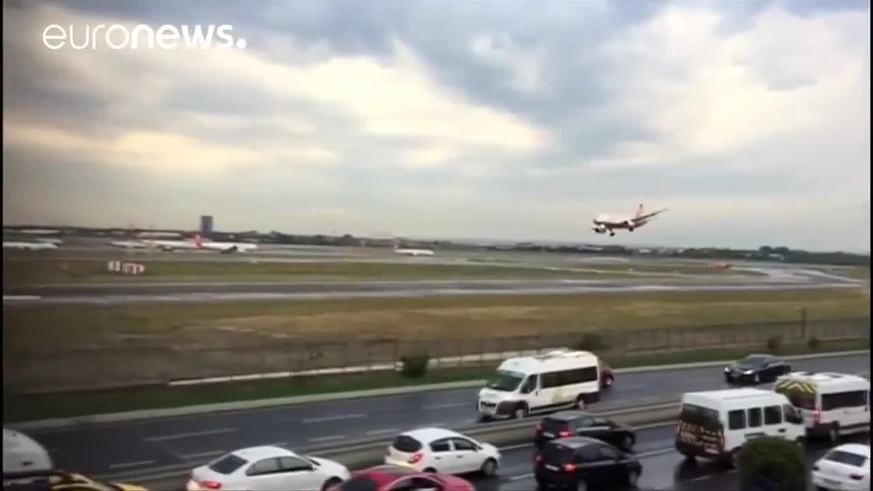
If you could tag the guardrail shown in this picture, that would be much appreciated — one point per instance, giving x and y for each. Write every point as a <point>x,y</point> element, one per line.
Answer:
<point>368,452</point>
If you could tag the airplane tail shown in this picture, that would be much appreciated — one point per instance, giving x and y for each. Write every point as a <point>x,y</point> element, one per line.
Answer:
<point>639,211</point>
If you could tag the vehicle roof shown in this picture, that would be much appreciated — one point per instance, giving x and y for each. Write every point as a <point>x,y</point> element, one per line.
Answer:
<point>855,448</point>
<point>556,357</point>
<point>726,397</point>
<point>427,435</point>
<point>825,378</point>
<point>575,442</point>
<point>568,415</point>
<point>384,474</point>
<point>263,452</point>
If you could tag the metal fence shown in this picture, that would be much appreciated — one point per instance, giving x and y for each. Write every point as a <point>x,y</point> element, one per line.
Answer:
<point>91,368</point>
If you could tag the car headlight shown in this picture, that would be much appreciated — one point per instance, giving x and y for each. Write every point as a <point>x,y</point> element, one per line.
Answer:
<point>747,372</point>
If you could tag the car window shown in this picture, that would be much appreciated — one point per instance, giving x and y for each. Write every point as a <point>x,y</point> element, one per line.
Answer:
<point>228,464</point>
<point>772,415</point>
<point>754,417</point>
<point>847,458</point>
<point>589,454</point>
<point>530,384</point>
<point>608,453</point>
<point>791,414</point>
<point>463,445</point>
<point>585,422</point>
<point>440,446</point>
<point>736,419</point>
<point>600,422</point>
<point>406,443</point>
<point>265,466</point>
<point>293,464</point>
<point>417,483</point>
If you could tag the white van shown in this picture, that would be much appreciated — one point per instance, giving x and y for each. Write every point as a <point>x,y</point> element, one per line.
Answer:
<point>556,380</point>
<point>24,460</point>
<point>715,424</point>
<point>832,404</point>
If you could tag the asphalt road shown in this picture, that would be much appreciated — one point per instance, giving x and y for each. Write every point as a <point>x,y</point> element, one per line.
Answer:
<point>147,446</point>
<point>664,469</point>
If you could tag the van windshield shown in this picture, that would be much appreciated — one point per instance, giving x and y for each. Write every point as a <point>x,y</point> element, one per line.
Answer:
<point>700,416</point>
<point>505,381</point>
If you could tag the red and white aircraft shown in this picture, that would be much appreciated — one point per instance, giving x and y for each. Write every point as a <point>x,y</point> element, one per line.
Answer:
<point>196,243</point>
<point>610,223</point>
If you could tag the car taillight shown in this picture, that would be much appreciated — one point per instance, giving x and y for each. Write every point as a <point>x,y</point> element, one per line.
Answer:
<point>856,477</point>
<point>569,467</point>
<point>211,484</point>
<point>816,416</point>
<point>563,433</point>
<point>415,457</point>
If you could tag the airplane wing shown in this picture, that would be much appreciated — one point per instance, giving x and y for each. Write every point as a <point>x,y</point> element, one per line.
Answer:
<point>649,215</point>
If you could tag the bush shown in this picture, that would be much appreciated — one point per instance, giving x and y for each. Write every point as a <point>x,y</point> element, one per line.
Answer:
<point>772,463</point>
<point>591,342</point>
<point>414,366</point>
<point>774,343</point>
<point>813,343</point>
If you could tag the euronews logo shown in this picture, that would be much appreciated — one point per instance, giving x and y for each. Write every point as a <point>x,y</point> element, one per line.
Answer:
<point>141,36</point>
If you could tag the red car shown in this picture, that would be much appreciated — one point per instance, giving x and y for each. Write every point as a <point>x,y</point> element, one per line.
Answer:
<point>606,377</point>
<point>391,478</point>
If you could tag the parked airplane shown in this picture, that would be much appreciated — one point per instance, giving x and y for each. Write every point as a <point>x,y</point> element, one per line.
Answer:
<point>412,252</point>
<point>196,243</point>
<point>31,246</point>
<point>610,223</point>
<point>224,247</point>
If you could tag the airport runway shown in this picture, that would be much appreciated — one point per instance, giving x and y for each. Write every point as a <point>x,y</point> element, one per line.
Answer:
<point>181,443</point>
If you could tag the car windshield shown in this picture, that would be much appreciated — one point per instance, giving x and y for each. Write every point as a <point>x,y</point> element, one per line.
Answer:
<point>754,361</point>
<point>228,464</point>
<point>847,458</point>
<point>505,381</point>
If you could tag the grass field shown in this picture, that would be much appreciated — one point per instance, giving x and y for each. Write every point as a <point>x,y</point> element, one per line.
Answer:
<point>224,324</point>
<point>20,407</point>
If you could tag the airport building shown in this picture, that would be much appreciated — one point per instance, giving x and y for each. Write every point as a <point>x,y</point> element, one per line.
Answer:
<point>206,224</point>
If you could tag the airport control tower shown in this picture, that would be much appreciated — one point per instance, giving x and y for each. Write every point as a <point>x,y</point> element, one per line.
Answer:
<point>205,225</point>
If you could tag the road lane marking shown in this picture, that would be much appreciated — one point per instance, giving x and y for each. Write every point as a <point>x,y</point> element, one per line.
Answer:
<point>123,465</point>
<point>383,431</point>
<point>178,436</point>
<point>652,453</point>
<point>446,406</point>
<point>521,476</point>
<point>326,438</point>
<point>701,478</point>
<point>332,418</point>
<point>200,455</point>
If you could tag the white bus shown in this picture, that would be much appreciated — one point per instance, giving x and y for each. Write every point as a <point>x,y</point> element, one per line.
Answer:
<point>526,385</point>
<point>832,404</point>
<point>715,424</point>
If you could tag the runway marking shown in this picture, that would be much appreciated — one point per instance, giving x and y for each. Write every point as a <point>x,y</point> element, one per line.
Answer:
<point>188,435</point>
<point>332,418</point>
<point>446,406</point>
<point>200,455</point>
<point>123,465</point>
<point>326,438</point>
<point>383,431</point>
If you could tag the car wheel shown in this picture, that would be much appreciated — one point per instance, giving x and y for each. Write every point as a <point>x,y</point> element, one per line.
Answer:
<point>520,412</point>
<point>757,378</point>
<point>580,402</point>
<point>690,458</point>
<point>333,481</point>
<point>834,434</point>
<point>627,443</point>
<point>489,468</point>
<point>733,460</point>
<point>607,382</point>
<point>633,476</point>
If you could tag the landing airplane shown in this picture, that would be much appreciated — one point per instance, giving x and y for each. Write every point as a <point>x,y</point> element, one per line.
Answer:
<point>610,223</point>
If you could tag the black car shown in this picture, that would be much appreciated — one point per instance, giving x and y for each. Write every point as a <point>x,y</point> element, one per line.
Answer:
<point>756,369</point>
<point>582,463</point>
<point>581,423</point>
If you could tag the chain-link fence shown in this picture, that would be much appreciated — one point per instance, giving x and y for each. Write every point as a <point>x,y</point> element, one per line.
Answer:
<point>81,369</point>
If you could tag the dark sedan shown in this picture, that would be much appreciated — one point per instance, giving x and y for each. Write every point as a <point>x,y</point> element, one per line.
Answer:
<point>580,464</point>
<point>580,423</point>
<point>756,369</point>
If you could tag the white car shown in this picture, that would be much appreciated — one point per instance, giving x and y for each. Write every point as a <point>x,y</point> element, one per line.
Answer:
<point>443,451</point>
<point>267,468</point>
<point>844,468</point>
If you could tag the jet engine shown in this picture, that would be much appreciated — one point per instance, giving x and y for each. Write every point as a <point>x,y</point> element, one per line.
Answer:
<point>600,229</point>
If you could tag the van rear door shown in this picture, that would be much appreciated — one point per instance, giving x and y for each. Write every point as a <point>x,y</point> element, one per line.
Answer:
<point>701,428</point>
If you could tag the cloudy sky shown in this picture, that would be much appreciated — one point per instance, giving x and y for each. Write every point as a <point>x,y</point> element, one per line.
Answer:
<point>749,120</point>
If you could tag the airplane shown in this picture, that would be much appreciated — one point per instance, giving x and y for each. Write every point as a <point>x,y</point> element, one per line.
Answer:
<point>197,243</point>
<point>31,246</point>
<point>609,223</point>
<point>412,252</point>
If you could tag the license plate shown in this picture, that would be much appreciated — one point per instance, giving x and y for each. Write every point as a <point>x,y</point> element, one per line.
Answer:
<point>549,435</point>
<point>552,468</point>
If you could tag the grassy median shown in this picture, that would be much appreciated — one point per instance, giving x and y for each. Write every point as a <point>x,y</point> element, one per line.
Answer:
<point>18,407</point>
